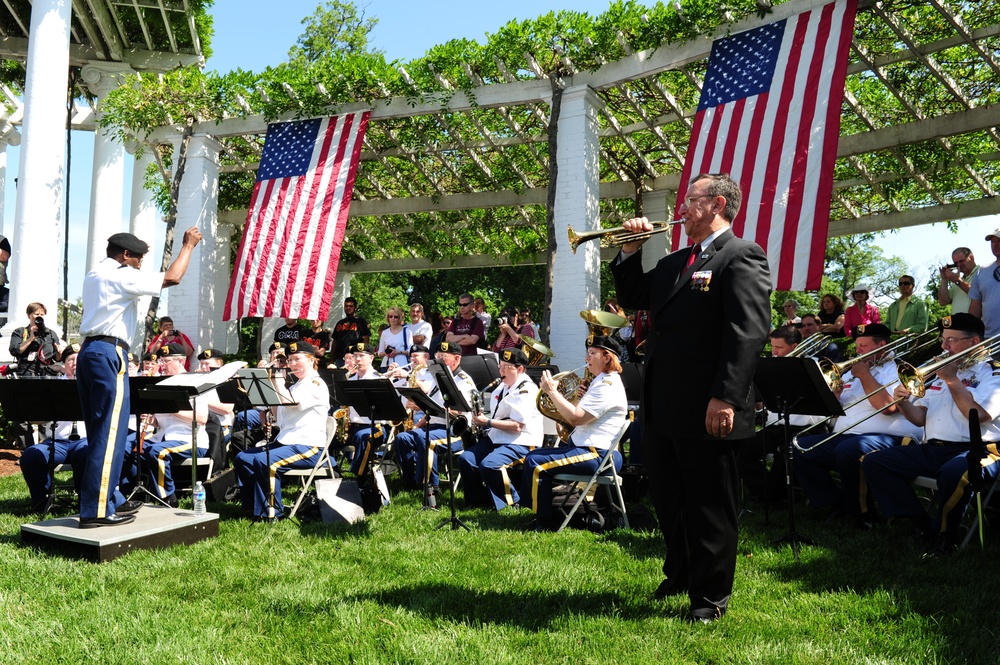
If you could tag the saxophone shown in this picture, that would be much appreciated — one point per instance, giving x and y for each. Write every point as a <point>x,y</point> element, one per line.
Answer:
<point>411,382</point>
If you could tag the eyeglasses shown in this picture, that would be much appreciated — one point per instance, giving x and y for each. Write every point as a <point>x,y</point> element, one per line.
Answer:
<point>392,316</point>
<point>951,340</point>
<point>688,200</point>
<point>906,283</point>
<point>464,304</point>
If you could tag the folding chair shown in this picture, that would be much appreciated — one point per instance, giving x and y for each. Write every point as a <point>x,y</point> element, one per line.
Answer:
<point>977,522</point>
<point>604,475</point>
<point>318,469</point>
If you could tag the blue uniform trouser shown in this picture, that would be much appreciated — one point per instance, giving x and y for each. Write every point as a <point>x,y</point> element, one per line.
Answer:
<point>543,463</point>
<point>843,454</point>
<point>415,462</point>
<point>158,458</point>
<point>890,475</point>
<point>485,469</point>
<point>261,469</point>
<point>102,381</point>
<point>358,439</point>
<point>35,465</point>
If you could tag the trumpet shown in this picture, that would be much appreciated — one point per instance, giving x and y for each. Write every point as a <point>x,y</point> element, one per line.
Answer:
<point>915,379</point>
<point>617,236</point>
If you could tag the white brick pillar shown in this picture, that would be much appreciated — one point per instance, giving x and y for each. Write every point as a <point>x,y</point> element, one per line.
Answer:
<point>657,207</point>
<point>107,187</point>
<point>576,278</point>
<point>38,217</point>
<point>8,136</point>
<point>195,306</point>
<point>143,218</point>
<point>225,337</point>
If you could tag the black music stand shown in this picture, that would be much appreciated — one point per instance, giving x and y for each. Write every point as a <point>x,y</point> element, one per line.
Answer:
<point>794,385</point>
<point>482,368</point>
<point>376,399</point>
<point>430,409</point>
<point>256,391</point>
<point>40,400</point>
<point>453,399</point>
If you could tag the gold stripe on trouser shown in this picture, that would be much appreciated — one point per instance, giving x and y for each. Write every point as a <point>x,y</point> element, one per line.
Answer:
<point>959,491</point>
<point>555,464</point>
<point>161,466</point>
<point>506,480</point>
<point>431,445</point>
<point>273,473</point>
<point>111,449</point>
<point>364,458</point>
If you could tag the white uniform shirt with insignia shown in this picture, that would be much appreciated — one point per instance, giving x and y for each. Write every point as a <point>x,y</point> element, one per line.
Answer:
<point>465,385</point>
<point>895,424</point>
<point>304,423</point>
<point>605,400</point>
<point>110,295</point>
<point>517,403</point>
<point>946,422</point>
<point>173,427</point>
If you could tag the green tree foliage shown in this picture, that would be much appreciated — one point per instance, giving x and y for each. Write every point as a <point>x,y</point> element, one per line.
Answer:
<point>335,28</point>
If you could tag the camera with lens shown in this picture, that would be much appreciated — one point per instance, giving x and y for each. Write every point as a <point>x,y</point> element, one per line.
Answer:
<point>39,326</point>
<point>952,266</point>
<point>502,321</point>
<point>390,350</point>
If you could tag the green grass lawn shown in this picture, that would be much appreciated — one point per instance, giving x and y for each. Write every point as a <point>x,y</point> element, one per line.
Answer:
<point>394,590</point>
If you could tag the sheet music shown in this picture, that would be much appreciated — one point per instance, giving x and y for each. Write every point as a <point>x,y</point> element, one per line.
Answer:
<point>202,382</point>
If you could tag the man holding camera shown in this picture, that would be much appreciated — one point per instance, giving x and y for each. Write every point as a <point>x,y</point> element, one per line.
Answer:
<point>511,331</point>
<point>956,280</point>
<point>35,346</point>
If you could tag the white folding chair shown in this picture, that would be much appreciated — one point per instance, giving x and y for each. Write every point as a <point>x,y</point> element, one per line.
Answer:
<point>323,467</point>
<point>605,475</point>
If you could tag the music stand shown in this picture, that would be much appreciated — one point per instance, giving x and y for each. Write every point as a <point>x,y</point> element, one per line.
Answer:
<point>453,399</point>
<point>794,385</point>
<point>256,390</point>
<point>40,400</point>
<point>430,408</point>
<point>376,399</point>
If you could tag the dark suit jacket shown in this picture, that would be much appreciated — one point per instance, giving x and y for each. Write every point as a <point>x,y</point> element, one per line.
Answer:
<point>703,343</point>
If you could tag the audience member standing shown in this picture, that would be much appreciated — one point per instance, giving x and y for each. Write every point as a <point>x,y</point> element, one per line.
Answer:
<point>956,280</point>
<point>35,346</point>
<point>349,331</point>
<point>467,329</point>
<point>984,295</point>
<point>861,312</point>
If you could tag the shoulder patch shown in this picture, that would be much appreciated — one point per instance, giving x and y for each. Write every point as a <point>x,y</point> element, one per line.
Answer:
<point>606,382</point>
<point>995,364</point>
<point>522,392</point>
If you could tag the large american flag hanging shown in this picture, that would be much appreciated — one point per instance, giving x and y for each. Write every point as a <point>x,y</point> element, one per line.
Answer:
<point>769,116</point>
<point>287,263</point>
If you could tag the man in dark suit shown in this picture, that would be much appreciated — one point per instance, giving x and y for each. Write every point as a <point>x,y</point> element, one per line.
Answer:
<point>709,309</point>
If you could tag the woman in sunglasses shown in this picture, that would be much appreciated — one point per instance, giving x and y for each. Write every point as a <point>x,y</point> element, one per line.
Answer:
<point>394,341</point>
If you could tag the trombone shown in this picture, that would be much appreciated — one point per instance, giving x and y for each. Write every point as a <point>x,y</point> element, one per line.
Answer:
<point>617,236</point>
<point>810,345</point>
<point>834,372</point>
<point>915,379</point>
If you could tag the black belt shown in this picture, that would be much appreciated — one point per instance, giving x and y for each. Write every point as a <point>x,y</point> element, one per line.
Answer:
<point>947,444</point>
<point>110,340</point>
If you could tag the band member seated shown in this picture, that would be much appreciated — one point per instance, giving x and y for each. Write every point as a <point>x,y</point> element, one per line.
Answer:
<point>416,464</point>
<point>854,439</point>
<point>150,365</point>
<point>208,361</point>
<point>596,417</point>
<point>360,430</point>
<point>943,412</point>
<point>759,481</point>
<point>300,441</point>
<point>511,428</point>
<point>67,444</point>
<point>171,442</point>
<point>416,376</point>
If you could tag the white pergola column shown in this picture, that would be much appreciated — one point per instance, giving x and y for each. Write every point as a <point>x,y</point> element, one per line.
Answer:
<point>143,217</point>
<point>576,278</point>
<point>657,207</point>
<point>38,217</point>
<point>108,178</point>
<point>225,336</point>
<point>8,136</point>
<point>195,306</point>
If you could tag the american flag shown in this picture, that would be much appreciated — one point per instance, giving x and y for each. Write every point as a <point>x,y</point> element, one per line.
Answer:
<point>291,244</point>
<point>769,116</point>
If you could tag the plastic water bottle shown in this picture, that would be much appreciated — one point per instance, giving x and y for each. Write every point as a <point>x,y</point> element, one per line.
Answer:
<point>199,499</point>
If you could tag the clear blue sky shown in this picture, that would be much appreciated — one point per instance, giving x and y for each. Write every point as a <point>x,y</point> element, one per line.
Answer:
<point>251,34</point>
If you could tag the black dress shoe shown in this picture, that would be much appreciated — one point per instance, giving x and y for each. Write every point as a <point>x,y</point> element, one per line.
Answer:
<point>129,508</point>
<point>110,520</point>
<point>171,500</point>
<point>669,588</point>
<point>705,615</point>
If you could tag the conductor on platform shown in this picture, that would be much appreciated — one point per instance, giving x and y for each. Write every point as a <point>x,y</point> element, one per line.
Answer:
<point>110,311</point>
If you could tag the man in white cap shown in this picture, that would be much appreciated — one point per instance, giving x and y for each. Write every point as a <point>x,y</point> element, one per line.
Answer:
<point>984,295</point>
